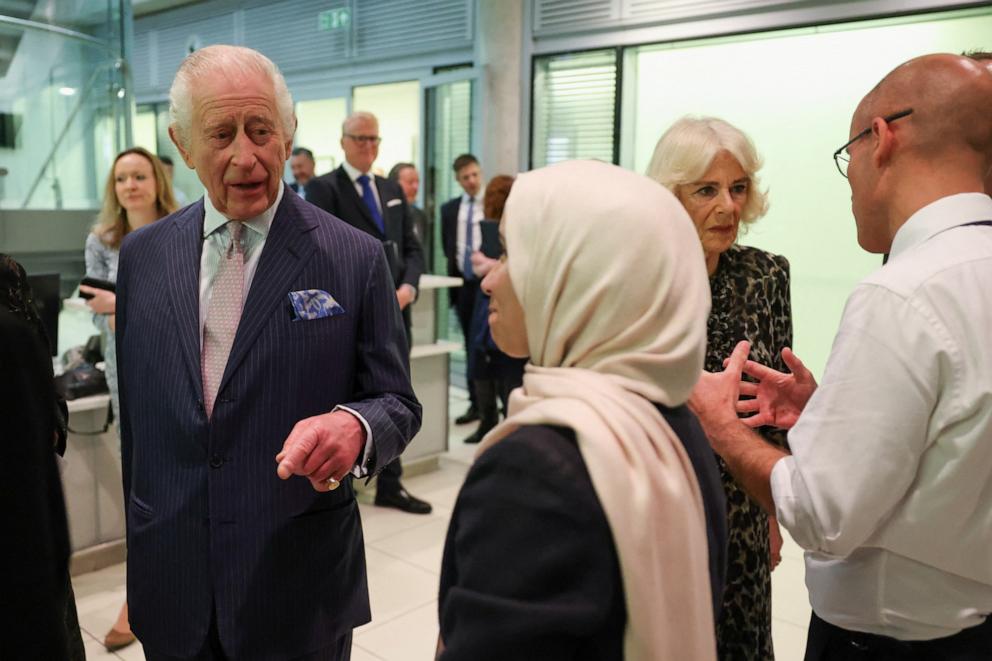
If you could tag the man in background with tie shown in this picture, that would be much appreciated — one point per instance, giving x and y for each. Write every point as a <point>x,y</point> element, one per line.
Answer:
<point>302,165</point>
<point>376,206</point>
<point>262,364</point>
<point>461,236</point>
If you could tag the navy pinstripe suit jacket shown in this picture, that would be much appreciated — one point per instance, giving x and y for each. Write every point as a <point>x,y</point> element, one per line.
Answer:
<point>209,523</point>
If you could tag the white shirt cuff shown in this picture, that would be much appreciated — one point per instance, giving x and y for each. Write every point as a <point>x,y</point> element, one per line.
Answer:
<point>792,505</point>
<point>361,469</point>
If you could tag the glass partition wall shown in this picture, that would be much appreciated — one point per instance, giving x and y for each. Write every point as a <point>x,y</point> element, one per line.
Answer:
<point>64,102</point>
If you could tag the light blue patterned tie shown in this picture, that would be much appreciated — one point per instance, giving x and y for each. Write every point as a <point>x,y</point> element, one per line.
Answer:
<point>223,315</point>
<point>469,240</point>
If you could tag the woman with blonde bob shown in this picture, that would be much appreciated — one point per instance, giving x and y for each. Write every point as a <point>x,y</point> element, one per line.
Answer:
<point>591,525</point>
<point>138,192</point>
<point>712,167</point>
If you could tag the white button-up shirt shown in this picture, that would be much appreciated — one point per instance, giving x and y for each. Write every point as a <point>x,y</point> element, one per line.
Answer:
<point>354,173</point>
<point>477,217</point>
<point>889,486</point>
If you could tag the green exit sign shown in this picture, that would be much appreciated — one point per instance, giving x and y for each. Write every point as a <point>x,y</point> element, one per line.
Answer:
<point>334,19</point>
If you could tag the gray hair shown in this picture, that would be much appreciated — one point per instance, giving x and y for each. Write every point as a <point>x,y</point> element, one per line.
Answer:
<point>231,60</point>
<point>686,150</point>
<point>358,114</point>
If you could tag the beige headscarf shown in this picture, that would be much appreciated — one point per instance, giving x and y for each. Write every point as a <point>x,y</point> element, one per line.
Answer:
<point>611,276</point>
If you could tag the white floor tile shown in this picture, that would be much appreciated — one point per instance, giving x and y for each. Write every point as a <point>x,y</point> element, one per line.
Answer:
<point>421,546</point>
<point>133,652</point>
<point>789,640</point>
<point>98,622</point>
<point>95,651</point>
<point>409,637</point>
<point>790,599</point>
<point>359,653</point>
<point>396,587</point>
<point>380,522</point>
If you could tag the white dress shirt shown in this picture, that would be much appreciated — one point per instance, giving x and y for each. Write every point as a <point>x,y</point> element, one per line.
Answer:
<point>477,217</point>
<point>889,486</point>
<point>216,239</point>
<point>354,173</point>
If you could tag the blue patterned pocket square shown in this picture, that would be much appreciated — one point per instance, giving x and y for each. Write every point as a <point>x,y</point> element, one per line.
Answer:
<point>311,304</point>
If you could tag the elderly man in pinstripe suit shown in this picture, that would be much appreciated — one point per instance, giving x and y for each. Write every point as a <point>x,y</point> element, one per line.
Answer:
<point>262,365</point>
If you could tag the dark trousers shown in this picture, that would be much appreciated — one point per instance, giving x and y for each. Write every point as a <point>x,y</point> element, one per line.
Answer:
<point>827,642</point>
<point>464,306</point>
<point>388,480</point>
<point>213,651</point>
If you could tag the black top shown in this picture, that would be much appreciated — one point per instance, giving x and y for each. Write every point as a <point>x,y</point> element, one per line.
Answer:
<point>530,570</point>
<point>35,556</point>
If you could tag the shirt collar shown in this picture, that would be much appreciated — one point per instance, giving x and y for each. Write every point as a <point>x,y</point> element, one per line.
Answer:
<point>354,173</point>
<point>214,219</point>
<point>943,214</point>
<point>477,199</point>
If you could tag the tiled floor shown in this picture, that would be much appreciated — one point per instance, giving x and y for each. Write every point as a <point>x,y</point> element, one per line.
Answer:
<point>404,558</point>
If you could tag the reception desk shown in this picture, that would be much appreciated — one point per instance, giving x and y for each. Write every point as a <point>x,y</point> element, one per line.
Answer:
<point>429,366</point>
<point>91,478</point>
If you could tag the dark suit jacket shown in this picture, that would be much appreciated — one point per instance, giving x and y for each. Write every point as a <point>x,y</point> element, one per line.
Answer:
<point>530,570</point>
<point>449,241</point>
<point>335,193</point>
<point>209,524</point>
<point>34,560</point>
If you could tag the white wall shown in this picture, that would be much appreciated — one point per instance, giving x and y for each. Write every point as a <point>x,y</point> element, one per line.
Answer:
<point>793,92</point>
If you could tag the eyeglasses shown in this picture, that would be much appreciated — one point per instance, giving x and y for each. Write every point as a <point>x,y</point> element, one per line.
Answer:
<point>841,158</point>
<point>364,139</point>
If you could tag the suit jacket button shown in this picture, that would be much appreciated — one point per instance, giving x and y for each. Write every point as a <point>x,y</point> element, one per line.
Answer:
<point>216,461</point>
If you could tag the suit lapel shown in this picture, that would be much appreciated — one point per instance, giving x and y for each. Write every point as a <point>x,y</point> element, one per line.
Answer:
<point>347,188</point>
<point>184,287</point>
<point>385,210</point>
<point>287,248</point>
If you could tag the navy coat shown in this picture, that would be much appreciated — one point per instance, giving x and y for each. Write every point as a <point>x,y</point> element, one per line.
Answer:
<point>209,523</point>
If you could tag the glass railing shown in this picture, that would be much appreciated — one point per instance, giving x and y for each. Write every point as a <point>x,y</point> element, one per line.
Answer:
<point>64,102</point>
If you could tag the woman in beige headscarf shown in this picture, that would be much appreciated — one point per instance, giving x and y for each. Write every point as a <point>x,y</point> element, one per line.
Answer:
<point>591,525</point>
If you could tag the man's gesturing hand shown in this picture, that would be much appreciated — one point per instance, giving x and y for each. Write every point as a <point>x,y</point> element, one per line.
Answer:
<point>778,398</point>
<point>714,399</point>
<point>322,447</point>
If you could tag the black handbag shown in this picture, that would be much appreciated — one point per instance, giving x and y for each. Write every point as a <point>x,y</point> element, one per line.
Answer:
<point>81,381</point>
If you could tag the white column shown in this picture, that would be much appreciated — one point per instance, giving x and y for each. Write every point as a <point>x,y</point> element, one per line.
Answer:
<point>499,52</point>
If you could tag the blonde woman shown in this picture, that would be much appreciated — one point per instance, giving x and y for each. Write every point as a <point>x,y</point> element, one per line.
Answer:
<point>138,192</point>
<point>712,168</point>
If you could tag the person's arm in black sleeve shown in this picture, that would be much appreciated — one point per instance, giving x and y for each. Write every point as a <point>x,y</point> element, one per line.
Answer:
<point>530,569</point>
<point>34,559</point>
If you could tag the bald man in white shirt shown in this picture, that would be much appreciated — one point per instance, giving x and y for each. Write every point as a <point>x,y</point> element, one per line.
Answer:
<point>889,484</point>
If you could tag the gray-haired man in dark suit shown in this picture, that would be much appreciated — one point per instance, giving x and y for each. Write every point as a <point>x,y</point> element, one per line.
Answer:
<point>258,339</point>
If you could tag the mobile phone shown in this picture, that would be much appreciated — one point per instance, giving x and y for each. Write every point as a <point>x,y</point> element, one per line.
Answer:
<point>97,283</point>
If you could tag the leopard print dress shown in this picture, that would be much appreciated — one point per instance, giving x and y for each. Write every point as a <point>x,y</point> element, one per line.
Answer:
<point>750,291</point>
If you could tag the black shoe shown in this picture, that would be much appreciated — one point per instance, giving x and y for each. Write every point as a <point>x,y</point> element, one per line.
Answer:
<point>479,433</point>
<point>402,500</point>
<point>471,415</point>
